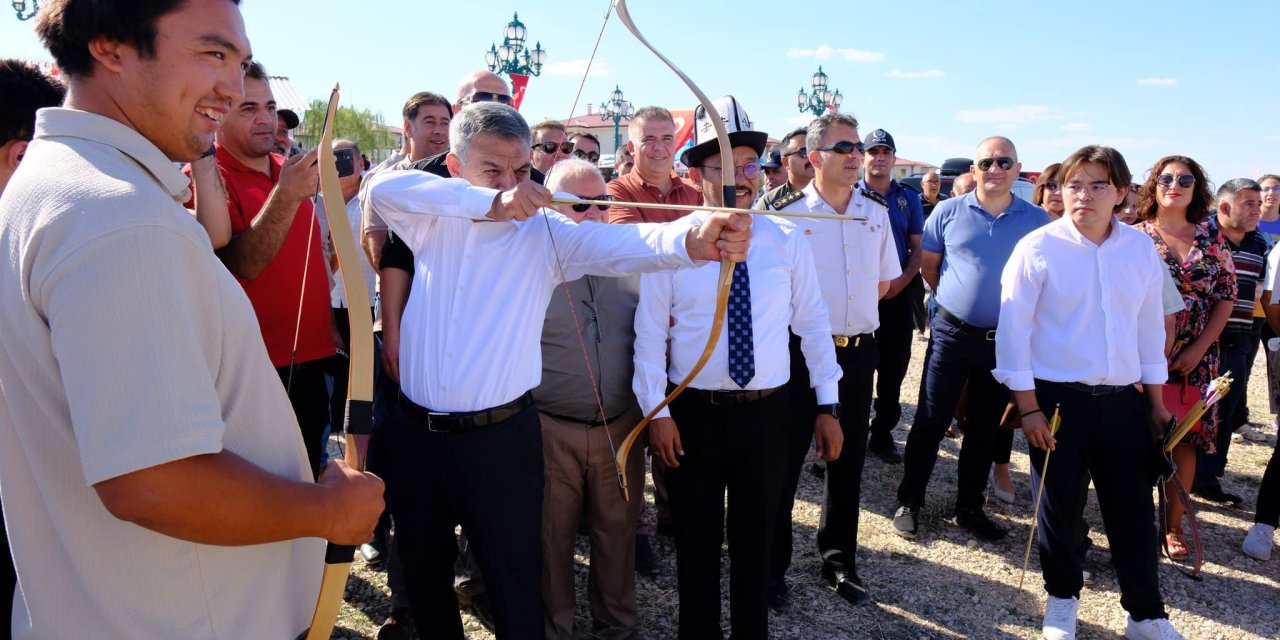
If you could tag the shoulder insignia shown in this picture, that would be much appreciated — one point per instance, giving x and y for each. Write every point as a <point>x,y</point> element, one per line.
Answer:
<point>794,196</point>
<point>874,197</point>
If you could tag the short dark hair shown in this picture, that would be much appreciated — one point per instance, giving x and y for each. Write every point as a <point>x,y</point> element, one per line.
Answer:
<point>799,131</point>
<point>67,26</point>
<point>1269,176</point>
<point>1201,198</point>
<point>548,124</point>
<point>1050,174</point>
<point>25,89</point>
<point>1117,169</point>
<point>583,134</point>
<point>1236,185</point>
<point>255,71</point>
<point>422,99</point>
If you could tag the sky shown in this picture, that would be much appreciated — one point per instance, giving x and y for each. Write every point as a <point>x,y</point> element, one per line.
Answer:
<point>1178,77</point>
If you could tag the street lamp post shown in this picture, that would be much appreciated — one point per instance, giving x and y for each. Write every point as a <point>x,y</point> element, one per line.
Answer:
<point>820,98</point>
<point>514,57</point>
<point>26,9</point>
<point>617,108</point>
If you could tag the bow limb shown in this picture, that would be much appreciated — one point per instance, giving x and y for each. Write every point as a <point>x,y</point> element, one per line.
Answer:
<point>359,414</point>
<point>726,266</point>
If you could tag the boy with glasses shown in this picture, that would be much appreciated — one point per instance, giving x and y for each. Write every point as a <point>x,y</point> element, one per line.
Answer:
<point>1056,290</point>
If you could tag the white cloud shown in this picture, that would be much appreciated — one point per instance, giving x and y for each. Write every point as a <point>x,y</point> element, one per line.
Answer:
<point>1007,117</point>
<point>1158,82</point>
<point>575,68</point>
<point>913,75</point>
<point>825,52</point>
<point>1078,126</point>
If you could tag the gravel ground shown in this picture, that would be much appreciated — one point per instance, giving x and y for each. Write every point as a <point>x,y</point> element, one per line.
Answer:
<point>946,585</point>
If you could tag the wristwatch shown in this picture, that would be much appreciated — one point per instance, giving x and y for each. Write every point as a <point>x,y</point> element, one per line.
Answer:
<point>832,410</point>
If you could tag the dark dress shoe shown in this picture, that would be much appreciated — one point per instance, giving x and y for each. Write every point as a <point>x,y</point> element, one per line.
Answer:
<point>399,626</point>
<point>906,521</point>
<point>817,471</point>
<point>646,563</point>
<point>779,598</point>
<point>976,522</point>
<point>886,451</point>
<point>1214,493</point>
<point>847,585</point>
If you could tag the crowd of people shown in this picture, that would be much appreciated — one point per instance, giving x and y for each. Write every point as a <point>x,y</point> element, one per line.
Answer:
<point>175,349</point>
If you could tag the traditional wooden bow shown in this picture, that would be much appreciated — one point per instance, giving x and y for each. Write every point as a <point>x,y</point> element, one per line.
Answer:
<point>726,266</point>
<point>358,420</point>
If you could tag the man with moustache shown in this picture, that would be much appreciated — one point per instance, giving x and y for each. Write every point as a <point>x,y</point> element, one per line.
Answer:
<point>795,158</point>
<point>135,382</point>
<point>286,121</point>
<point>651,139</point>
<point>728,431</point>
<point>276,254</point>
<point>931,191</point>
<point>857,262</point>
<point>775,173</point>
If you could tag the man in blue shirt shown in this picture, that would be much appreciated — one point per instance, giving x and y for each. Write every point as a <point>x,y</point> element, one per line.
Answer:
<point>966,243</point>
<point>897,324</point>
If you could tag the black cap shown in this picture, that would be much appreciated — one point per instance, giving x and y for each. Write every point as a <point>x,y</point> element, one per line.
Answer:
<point>879,138</point>
<point>771,160</point>
<point>290,118</point>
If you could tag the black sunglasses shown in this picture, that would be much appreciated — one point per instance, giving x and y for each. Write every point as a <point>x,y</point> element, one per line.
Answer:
<point>1052,186</point>
<point>486,96</point>
<point>1185,180</point>
<point>584,206</point>
<point>844,148</point>
<point>550,147</point>
<point>801,151</point>
<point>1004,162</point>
<point>589,157</point>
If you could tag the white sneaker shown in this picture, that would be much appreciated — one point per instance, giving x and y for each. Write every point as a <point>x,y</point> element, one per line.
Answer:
<point>1248,432</point>
<point>1153,629</point>
<point>1060,618</point>
<point>1258,542</point>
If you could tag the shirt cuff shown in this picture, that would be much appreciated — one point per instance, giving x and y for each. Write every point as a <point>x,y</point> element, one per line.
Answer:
<point>1155,373</point>
<point>1024,380</point>
<point>828,393</point>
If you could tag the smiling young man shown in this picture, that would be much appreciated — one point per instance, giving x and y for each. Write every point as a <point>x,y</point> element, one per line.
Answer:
<point>1076,340</point>
<point>154,479</point>
<point>651,139</point>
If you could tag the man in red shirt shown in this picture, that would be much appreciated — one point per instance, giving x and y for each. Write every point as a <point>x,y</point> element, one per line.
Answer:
<point>651,139</point>
<point>275,252</point>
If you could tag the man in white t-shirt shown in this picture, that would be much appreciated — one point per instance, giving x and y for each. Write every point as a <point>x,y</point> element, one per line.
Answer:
<point>154,479</point>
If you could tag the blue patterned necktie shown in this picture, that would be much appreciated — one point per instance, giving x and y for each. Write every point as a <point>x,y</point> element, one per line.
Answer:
<point>742,357</point>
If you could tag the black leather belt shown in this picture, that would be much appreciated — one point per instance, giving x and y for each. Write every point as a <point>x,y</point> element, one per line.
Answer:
<point>732,397</point>
<point>1095,389</point>
<point>442,422</point>
<point>980,332</point>
<point>588,423</point>
<point>850,341</point>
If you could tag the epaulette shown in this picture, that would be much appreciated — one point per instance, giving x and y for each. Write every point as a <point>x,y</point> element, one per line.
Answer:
<point>874,197</point>
<point>779,203</point>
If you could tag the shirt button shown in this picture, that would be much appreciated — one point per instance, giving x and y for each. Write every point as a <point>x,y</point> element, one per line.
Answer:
<point>850,324</point>
<point>850,272</point>
<point>850,297</point>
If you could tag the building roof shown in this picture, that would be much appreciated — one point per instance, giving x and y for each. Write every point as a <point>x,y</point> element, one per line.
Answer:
<point>903,162</point>
<point>287,97</point>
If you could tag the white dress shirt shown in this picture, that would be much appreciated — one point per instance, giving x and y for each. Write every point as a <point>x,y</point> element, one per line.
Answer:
<point>1074,311</point>
<point>472,326</point>
<point>852,258</point>
<point>680,305</point>
<point>337,292</point>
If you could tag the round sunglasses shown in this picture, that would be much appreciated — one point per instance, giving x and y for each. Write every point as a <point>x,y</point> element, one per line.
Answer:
<point>1184,181</point>
<point>550,147</point>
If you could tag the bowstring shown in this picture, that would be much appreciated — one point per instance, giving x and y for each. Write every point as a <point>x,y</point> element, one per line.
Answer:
<point>564,282</point>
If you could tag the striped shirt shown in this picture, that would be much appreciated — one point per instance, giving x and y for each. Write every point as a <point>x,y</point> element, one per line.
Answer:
<point>1250,257</point>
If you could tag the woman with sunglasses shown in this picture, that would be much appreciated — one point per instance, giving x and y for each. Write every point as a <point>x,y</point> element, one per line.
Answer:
<point>1173,205</point>
<point>1048,193</point>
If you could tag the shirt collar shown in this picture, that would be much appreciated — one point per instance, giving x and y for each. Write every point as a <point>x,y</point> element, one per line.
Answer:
<point>814,202</point>
<point>1016,205</point>
<point>676,181</point>
<point>56,122</point>
<point>228,161</point>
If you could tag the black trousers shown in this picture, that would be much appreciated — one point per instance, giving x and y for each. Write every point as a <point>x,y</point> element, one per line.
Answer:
<point>309,395</point>
<point>1269,493</point>
<point>739,449</point>
<point>489,481</point>
<point>842,496</point>
<point>1108,437</point>
<point>954,357</point>
<point>799,423</point>
<point>897,330</point>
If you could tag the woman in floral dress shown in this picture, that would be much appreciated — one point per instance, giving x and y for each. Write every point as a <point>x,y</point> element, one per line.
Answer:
<point>1173,205</point>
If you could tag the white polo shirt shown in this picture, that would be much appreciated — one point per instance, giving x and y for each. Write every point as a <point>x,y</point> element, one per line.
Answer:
<point>125,344</point>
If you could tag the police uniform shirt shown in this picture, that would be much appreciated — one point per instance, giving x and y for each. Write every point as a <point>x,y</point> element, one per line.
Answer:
<point>852,257</point>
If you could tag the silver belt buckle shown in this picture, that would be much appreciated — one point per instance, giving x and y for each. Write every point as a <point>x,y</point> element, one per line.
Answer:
<point>430,427</point>
<point>991,335</point>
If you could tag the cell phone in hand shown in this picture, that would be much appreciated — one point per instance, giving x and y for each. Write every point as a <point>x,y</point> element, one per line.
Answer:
<point>346,162</point>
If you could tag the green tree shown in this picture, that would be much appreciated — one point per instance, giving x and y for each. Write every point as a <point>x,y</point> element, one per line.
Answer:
<point>361,126</point>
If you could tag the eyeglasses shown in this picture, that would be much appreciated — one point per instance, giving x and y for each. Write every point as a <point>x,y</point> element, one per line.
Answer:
<point>585,206</point>
<point>750,171</point>
<point>1052,186</point>
<point>798,152</point>
<point>1184,181</point>
<point>1095,189</point>
<point>1272,189</point>
<point>486,96</point>
<point>1004,162</point>
<point>550,147</point>
<point>589,157</point>
<point>844,148</point>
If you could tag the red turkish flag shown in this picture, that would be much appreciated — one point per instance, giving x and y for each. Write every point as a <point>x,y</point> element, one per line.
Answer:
<point>518,83</point>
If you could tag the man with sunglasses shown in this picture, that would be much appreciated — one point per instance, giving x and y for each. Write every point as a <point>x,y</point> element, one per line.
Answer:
<point>897,313</point>
<point>651,139</point>
<point>856,261</point>
<point>586,146</point>
<point>795,158</point>
<point>549,145</point>
<point>482,86</point>
<point>966,243</point>
<point>728,431</point>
